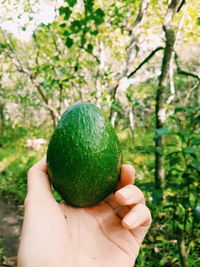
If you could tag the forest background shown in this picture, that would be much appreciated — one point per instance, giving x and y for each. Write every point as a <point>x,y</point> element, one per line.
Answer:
<point>139,62</point>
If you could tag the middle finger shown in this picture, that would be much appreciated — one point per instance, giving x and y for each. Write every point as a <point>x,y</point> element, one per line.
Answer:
<point>130,195</point>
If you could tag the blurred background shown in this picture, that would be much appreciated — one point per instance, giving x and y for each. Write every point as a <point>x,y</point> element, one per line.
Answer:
<point>136,60</point>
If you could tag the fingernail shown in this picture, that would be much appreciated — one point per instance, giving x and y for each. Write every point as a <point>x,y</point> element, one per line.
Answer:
<point>122,195</point>
<point>130,220</point>
<point>125,193</point>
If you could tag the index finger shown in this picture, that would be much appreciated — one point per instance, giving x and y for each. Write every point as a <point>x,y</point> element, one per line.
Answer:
<point>127,177</point>
<point>41,165</point>
<point>38,180</point>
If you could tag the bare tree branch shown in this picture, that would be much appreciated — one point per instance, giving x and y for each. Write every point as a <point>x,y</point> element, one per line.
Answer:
<point>183,72</point>
<point>19,66</point>
<point>133,41</point>
<point>45,99</point>
<point>57,115</point>
<point>145,60</point>
<point>90,53</point>
<point>33,78</point>
<point>189,93</point>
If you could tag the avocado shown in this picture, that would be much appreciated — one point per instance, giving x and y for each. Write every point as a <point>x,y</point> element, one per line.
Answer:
<point>84,156</point>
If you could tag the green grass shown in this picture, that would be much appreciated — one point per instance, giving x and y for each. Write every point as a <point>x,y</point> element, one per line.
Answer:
<point>15,161</point>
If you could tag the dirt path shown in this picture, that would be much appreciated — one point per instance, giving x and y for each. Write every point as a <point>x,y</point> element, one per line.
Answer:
<point>10,228</point>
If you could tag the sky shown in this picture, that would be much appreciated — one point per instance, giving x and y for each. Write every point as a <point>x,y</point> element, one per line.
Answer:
<point>44,13</point>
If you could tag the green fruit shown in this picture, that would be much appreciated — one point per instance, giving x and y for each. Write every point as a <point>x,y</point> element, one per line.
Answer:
<point>84,156</point>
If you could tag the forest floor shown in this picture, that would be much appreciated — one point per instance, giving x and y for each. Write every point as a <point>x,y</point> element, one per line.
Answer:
<point>11,218</point>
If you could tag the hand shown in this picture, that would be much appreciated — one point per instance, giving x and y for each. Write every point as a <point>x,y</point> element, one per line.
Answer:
<point>59,235</point>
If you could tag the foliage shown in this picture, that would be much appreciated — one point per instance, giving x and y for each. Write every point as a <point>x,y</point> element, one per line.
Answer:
<point>176,219</point>
<point>15,160</point>
<point>87,53</point>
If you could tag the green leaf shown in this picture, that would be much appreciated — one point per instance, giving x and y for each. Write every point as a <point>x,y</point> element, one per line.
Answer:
<point>174,118</point>
<point>98,21</point>
<point>56,58</point>
<point>184,136</point>
<point>3,45</point>
<point>71,2</point>
<point>75,26</point>
<point>89,5</point>
<point>67,14</point>
<point>93,94</point>
<point>83,40</point>
<point>86,28</point>
<point>198,21</point>
<point>98,16</point>
<point>195,164</point>
<point>63,25</point>
<point>175,169</point>
<point>65,11</point>
<point>66,33</point>
<point>90,48</point>
<point>61,10</point>
<point>94,32</point>
<point>174,159</point>
<point>195,141</point>
<point>160,132</point>
<point>99,12</point>
<point>191,150</point>
<point>186,108</point>
<point>174,153</point>
<point>69,42</point>
<point>179,109</point>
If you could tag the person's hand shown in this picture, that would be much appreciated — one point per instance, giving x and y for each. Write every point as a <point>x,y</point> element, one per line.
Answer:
<point>59,235</point>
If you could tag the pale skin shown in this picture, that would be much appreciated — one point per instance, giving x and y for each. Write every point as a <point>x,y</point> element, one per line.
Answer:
<point>59,235</point>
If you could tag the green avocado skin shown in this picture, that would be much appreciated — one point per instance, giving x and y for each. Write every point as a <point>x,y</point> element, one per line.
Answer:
<point>84,156</point>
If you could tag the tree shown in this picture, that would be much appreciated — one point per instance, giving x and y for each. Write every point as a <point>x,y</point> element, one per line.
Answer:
<point>160,111</point>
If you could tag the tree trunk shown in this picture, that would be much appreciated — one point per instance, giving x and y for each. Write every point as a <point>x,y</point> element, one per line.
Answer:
<point>130,48</point>
<point>53,113</point>
<point>160,111</point>
<point>113,119</point>
<point>182,249</point>
<point>160,108</point>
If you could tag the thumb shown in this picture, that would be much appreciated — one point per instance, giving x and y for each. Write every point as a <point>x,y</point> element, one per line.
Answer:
<point>38,181</point>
